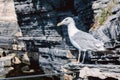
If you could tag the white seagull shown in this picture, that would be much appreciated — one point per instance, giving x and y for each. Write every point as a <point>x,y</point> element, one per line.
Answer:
<point>81,40</point>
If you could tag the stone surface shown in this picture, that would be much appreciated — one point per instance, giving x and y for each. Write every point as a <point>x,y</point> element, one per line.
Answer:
<point>48,45</point>
<point>38,18</point>
<point>91,70</point>
<point>109,31</point>
<point>8,18</point>
<point>116,9</point>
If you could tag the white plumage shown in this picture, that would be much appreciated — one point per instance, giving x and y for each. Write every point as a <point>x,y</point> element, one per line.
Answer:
<point>81,40</point>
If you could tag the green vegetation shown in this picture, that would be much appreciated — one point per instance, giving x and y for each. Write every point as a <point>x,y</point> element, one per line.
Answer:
<point>105,13</point>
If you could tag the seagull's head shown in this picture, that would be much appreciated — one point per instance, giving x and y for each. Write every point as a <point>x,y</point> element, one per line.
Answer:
<point>66,21</point>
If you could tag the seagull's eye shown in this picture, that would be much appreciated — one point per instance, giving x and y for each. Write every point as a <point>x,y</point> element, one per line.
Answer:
<point>66,19</point>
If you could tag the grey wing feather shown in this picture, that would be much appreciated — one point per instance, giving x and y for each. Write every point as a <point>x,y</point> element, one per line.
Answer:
<point>87,41</point>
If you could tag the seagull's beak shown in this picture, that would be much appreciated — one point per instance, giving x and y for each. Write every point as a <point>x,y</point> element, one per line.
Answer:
<point>59,24</point>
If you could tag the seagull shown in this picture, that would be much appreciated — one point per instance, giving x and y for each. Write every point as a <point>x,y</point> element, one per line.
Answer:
<point>83,41</point>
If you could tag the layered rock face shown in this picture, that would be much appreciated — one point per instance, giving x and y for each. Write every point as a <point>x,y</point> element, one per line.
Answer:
<point>38,18</point>
<point>8,28</point>
<point>107,14</point>
<point>48,46</point>
<point>8,20</point>
<point>8,23</point>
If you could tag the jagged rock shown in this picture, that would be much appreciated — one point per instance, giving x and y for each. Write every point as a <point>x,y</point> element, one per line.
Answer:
<point>85,72</point>
<point>19,46</point>
<point>26,70</point>
<point>109,31</point>
<point>6,61</point>
<point>16,60</point>
<point>49,59</point>
<point>38,21</point>
<point>116,9</point>
<point>92,70</point>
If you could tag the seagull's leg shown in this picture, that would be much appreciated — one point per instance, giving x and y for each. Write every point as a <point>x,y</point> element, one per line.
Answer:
<point>79,55</point>
<point>84,53</point>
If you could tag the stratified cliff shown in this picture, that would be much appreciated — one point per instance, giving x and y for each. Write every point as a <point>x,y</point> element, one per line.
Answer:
<point>107,22</point>
<point>33,22</point>
<point>38,19</point>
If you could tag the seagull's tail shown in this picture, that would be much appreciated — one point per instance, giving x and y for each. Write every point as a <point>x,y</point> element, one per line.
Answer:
<point>102,48</point>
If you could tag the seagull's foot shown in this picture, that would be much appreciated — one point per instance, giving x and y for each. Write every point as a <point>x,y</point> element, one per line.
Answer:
<point>78,62</point>
<point>82,61</point>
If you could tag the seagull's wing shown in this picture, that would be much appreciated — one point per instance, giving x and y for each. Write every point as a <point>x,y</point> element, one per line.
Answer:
<point>86,41</point>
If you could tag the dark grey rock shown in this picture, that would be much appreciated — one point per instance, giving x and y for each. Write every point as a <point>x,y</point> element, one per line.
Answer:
<point>38,19</point>
<point>52,59</point>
